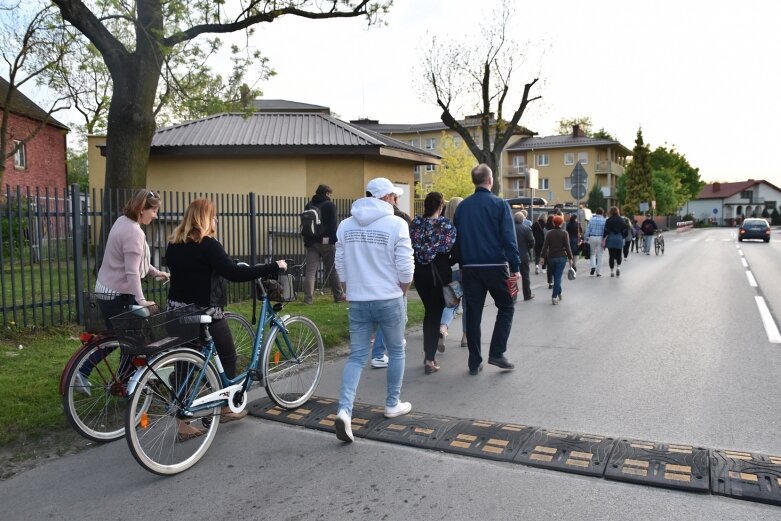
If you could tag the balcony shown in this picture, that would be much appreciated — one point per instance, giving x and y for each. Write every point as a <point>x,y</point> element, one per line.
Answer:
<point>515,171</point>
<point>609,167</point>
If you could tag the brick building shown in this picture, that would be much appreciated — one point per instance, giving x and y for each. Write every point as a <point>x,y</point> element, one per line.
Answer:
<point>41,161</point>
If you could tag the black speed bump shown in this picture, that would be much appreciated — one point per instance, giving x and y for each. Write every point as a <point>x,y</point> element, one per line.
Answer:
<point>568,451</point>
<point>746,475</point>
<point>486,439</point>
<point>415,429</point>
<point>265,408</point>
<point>661,464</point>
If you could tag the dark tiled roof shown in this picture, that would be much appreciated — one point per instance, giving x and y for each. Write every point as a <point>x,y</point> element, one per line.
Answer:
<point>24,106</point>
<point>269,132</point>
<point>566,141</point>
<point>724,190</point>
<point>281,105</point>
<point>406,128</point>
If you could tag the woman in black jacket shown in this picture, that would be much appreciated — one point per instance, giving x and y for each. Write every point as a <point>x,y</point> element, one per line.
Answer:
<point>199,268</point>
<point>614,234</point>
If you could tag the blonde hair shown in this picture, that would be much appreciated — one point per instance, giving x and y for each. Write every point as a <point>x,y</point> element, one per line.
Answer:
<point>198,223</point>
<point>450,209</point>
<point>140,201</point>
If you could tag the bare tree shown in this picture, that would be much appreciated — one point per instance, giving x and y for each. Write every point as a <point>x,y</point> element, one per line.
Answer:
<point>28,48</point>
<point>156,29</point>
<point>479,78</point>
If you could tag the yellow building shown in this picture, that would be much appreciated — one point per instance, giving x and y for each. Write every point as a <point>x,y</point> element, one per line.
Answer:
<point>284,148</point>
<point>428,136</point>
<point>555,158</point>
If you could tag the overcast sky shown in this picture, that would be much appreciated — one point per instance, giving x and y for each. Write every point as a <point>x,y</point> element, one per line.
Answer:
<point>702,76</point>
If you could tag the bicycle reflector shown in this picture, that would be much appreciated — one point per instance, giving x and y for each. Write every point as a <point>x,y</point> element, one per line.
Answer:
<point>85,337</point>
<point>143,421</point>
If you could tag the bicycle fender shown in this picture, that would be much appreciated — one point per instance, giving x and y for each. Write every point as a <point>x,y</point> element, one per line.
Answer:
<point>131,385</point>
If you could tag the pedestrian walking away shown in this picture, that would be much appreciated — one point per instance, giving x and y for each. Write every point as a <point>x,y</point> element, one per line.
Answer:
<point>449,313</point>
<point>374,260</point>
<point>486,245</point>
<point>594,232</point>
<point>538,230</point>
<point>525,239</point>
<point>613,239</point>
<point>648,228</point>
<point>379,355</point>
<point>628,237</point>
<point>433,236</point>
<point>319,234</point>
<point>556,249</point>
<point>575,236</point>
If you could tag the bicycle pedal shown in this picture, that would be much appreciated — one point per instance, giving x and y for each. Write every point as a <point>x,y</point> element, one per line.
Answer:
<point>254,374</point>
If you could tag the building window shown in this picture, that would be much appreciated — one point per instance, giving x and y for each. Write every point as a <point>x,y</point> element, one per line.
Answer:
<point>747,194</point>
<point>567,183</point>
<point>544,183</point>
<point>569,158</point>
<point>583,157</point>
<point>431,143</point>
<point>543,159</point>
<point>20,157</point>
<point>412,142</point>
<point>519,161</point>
<point>429,168</point>
<point>457,141</point>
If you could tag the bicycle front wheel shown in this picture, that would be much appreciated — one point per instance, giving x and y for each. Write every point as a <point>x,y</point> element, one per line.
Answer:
<point>661,245</point>
<point>94,394</point>
<point>293,362</point>
<point>243,338</point>
<point>656,246</point>
<point>162,438</point>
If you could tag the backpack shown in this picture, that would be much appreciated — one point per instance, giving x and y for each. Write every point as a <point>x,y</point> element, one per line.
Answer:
<point>648,228</point>
<point>311,228</point>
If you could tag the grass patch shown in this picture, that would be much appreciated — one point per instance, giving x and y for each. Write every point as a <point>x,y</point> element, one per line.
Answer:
<point>30,376</point>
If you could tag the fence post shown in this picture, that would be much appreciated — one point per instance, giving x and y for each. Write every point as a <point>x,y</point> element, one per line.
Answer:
<point>78,261</point>
<point>253,230</point>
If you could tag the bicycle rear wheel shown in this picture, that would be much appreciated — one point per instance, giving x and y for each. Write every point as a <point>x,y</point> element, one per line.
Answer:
<point>243,337</point>
<point>656,245</point>
<point>94,390</point>
<point>293,362</point>
<point>661,244</point>
<point>154,422</point>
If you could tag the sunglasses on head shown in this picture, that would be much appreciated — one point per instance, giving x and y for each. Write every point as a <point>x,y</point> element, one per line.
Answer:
<point>151,195</point>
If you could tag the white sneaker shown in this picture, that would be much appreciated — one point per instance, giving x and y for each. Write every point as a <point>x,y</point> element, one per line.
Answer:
<point>536,269</point>
<point>343,425</point>
<point>399,409</point>
<point>380,363</point>
<point>81,384</point>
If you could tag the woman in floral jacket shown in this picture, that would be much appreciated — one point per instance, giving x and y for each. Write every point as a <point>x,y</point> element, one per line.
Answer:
<point>432,237</point>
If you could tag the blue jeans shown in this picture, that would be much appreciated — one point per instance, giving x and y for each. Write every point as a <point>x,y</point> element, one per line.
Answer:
<point>378,349</point>
<point>389,317</point>
<point>557,264</point>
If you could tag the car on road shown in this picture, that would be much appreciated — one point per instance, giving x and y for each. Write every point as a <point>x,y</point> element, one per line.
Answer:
<point>754,229</point>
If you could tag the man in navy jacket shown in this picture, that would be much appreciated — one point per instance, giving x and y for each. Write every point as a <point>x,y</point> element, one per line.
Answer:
<point>486,246</point>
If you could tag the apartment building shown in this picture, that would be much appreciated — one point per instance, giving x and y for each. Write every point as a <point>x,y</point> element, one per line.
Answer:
<point>428,136</point>
<point>555,158</point>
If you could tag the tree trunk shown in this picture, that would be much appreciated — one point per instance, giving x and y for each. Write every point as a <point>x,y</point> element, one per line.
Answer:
<point>131,123</point>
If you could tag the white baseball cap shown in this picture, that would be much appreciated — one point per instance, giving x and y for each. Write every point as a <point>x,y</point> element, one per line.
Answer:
<point>380,187</point>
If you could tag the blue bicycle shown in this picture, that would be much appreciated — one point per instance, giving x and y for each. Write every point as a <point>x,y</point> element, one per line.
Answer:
<point>177,398</point>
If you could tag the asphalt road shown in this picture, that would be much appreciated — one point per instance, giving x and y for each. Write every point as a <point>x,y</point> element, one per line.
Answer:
<point>675,350</point>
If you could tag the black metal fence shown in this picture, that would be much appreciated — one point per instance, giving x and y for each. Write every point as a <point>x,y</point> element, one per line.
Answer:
<point>51,242</point>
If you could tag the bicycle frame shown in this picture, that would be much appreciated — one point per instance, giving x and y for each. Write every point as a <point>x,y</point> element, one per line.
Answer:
<point>240,384</point>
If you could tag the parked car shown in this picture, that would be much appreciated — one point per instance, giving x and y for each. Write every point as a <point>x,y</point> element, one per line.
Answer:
<point>754,229</point>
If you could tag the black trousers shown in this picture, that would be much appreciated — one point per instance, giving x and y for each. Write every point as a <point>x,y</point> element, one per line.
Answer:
<point>526,283</point>
<point>434,303</point>
<point>477,283</point>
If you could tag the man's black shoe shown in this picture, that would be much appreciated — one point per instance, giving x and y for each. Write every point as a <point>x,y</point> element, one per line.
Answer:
<point>529,297</point>
<point>474,372</point>
<point>502,363</point>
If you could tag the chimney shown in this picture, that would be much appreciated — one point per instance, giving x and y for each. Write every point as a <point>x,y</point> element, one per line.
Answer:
<point>575,130</point>
<point>716,186</point>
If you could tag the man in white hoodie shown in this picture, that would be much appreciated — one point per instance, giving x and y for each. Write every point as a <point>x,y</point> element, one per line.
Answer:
<point>374,263</point>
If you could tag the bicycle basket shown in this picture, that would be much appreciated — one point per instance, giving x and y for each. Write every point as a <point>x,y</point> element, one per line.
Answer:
<point>281,289</point>
<point>151,334</point>
<point>99,307</point>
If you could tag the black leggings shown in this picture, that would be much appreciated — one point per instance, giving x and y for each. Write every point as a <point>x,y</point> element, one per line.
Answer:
<point>615,256</point>
<point>223,341</point>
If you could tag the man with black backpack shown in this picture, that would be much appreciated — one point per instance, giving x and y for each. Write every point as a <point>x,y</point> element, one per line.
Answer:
<point>318,228</point>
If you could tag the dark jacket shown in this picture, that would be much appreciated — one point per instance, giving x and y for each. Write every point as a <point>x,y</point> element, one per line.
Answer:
<point>615,231</point>
<point>525,238</point>
<point>556,244</point>
<point>198,272</point>
<point>486,232</point>
<point>327,217</point>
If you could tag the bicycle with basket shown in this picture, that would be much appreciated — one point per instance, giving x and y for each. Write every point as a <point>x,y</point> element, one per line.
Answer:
<point>188,386</point>
<point>93,384</point>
